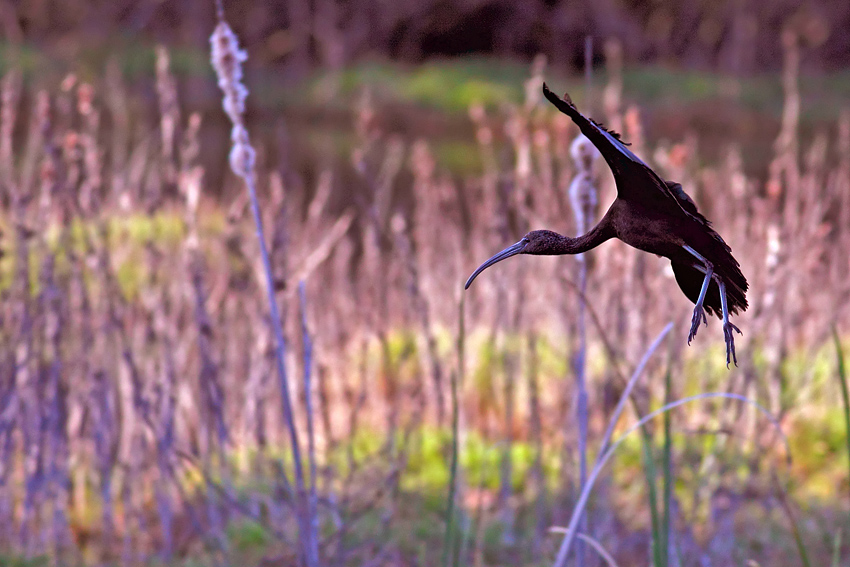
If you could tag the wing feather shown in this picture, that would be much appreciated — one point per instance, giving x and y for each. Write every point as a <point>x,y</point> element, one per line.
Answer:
<point>622,161</point>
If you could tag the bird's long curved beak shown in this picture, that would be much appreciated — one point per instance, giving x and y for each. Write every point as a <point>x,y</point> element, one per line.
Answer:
<point>513,250</point>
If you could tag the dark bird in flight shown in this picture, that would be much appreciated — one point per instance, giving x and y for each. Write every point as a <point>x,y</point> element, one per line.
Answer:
<point>655,216</point>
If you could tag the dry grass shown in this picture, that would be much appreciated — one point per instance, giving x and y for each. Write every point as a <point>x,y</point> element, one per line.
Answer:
<point>140,417</point>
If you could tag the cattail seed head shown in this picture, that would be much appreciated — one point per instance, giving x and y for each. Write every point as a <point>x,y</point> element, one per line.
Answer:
<point>227,59</point>
<point>583,152</point>
<point>242,155</point>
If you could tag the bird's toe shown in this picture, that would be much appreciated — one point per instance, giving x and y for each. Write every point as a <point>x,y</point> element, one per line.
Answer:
<point>699,316</point>
<point>730,343</point>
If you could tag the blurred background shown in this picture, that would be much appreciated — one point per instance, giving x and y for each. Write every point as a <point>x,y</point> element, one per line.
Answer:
<point>399,145</point>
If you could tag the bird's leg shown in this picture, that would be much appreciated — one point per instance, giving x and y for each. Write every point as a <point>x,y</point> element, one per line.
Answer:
<point>728,328</point>
<point>699,311</point>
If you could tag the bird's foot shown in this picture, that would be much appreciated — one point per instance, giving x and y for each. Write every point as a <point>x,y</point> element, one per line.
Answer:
<point>730,342</point>
<point>699,316</point>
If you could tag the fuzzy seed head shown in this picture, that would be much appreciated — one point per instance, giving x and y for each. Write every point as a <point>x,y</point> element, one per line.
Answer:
<point>242,155</point>
<point>583,152</point>
<point>227,59</point>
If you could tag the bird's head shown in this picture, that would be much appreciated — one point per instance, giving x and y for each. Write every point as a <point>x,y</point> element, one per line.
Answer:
<point>535,242</point>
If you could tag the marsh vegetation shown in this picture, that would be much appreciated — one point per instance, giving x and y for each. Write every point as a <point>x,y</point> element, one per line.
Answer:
<point>141,416</point>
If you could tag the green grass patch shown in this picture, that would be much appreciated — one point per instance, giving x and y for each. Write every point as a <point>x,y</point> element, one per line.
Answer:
<point>16,561</point>
<point>125,236</point>
<point>450,85</point>
<point>456,85</point>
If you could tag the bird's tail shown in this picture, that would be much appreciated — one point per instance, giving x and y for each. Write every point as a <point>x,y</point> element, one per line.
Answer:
<point>690,281</point>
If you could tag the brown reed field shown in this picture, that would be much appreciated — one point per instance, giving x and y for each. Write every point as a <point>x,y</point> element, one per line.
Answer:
<point>144,412</point>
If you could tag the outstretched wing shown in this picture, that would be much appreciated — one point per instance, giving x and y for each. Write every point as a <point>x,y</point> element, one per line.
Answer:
<point>630,172</point>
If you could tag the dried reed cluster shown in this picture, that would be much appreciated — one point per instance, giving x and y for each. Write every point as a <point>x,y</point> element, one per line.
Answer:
<point>138,411</point>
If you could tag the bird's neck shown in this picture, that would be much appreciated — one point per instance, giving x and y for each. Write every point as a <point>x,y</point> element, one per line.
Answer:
<point>591,239</point>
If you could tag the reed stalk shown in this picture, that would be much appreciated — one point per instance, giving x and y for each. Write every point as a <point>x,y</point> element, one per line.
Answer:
<point>227,59</point>
<point>605,456</point>
<point>605,451</point>
<point>583,199</point>
<point>450,548</point>
<point>845,394</point>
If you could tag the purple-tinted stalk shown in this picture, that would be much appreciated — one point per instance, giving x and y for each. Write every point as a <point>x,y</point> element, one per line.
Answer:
<point>227,60</point>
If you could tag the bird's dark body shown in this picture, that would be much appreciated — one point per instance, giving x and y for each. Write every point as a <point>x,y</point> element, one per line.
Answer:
<point>666,234</point>
<point>655,216</point>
